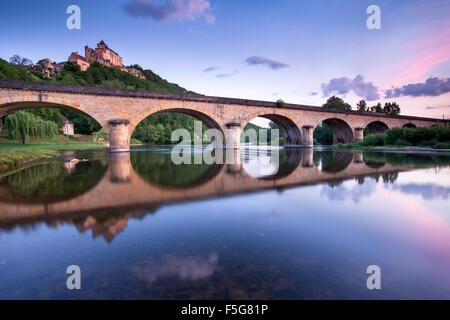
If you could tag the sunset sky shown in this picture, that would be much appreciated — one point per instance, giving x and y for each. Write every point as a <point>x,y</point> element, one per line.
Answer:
<point>298,51</point>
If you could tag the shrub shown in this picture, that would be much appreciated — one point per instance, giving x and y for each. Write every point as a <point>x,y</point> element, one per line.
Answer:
<point>428,143</point>
<point>402,142</point>
<point>375,140</point>
<point>394,134</point>
<point>422,136</point>
<point>101,134</point>
<point>135,141</point>
<point>443,145</point>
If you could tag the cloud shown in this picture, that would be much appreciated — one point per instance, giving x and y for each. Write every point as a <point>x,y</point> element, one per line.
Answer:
<point>432,87</point>
<point>191,268</point>
<point>344,85</point>
<point>270,63</point>
<point>211,69</point>
<point>428,191</point>
<point>227,75</point>
<point>437,107</point>
<point>170,9</point>
<point>348,190</point>
<point>314,93</point>
<point>426,53</point>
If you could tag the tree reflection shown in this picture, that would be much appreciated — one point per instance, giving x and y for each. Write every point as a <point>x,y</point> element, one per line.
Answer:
<point>53,181</point>
<point>158,168</point>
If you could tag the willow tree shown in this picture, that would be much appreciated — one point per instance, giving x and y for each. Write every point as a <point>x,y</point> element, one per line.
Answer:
<point>22,125</point>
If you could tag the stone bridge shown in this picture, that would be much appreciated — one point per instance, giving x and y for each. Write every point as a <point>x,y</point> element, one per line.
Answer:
<point>122,190</point>
<point>120,111</point>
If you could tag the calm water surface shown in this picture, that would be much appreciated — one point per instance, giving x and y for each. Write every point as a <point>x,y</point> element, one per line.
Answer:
<point>139,226</point>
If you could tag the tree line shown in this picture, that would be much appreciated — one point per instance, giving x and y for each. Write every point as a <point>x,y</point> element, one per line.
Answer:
<point>323,134</point>
<point>390,108</point>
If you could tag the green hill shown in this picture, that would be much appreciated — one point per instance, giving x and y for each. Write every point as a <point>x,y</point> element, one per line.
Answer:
<point>101,76</point>
<point>96,75</point>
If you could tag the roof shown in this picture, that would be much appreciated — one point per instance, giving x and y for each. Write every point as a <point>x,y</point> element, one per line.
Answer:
<point>79,57</point>
<point>66,120</point>
<point>103,43</point>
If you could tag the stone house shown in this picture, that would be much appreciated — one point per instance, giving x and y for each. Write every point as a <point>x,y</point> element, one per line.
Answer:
<point>79,60</point>
<point>135,72</point>
<point>68,128</point>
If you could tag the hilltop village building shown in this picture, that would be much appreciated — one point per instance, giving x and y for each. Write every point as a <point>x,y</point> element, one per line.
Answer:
<point>101,54</point>
<point>79,60</point>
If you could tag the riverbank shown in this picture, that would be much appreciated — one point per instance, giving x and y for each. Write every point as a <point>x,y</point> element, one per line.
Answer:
<point>360,146</point>
<point>13,154</point>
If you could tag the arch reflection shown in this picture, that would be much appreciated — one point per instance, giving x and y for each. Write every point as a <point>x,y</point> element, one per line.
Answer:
<point>52,181</point>
<point>273,164</point>
<point>158,168</point>
<point>123,194</point>
<point>333,161</point>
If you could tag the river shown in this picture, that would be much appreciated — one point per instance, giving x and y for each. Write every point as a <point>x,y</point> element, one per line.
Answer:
<point>304,225</point>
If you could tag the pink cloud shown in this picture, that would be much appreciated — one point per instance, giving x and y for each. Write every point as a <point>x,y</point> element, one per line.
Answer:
<point>429,53</point>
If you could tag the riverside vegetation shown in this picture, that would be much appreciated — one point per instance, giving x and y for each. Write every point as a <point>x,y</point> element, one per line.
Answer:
<point>43,123</point>
<point>437,137</point>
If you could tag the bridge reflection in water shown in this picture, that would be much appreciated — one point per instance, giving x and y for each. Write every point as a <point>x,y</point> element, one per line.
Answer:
<point>133,184</point>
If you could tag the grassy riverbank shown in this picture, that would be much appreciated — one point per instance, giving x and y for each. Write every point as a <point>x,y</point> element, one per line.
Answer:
<point>12,153</point>
<point>362,146</point>
<point>408,138</point>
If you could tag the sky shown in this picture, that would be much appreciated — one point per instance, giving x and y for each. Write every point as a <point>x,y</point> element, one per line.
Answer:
<point>298,51</point>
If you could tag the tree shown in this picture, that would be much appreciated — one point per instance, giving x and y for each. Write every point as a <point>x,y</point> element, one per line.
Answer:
<point>136,66</point>
<point>20,61</point>
<point>280,103</point>
<point>378,108</point>
<point>71,66</point>
<point>323,134</point>
<point>21,125</point>
<point>83,123</point>
<point>391,108</point>
<point>50,114</point>
<point>337,103</point>
<point>361,105</point>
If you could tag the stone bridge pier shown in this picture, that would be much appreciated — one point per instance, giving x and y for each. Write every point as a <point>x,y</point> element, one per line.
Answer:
<point>118,135</point>
<point>359,134</point>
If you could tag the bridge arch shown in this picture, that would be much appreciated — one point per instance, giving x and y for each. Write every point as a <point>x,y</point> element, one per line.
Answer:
<point>206,117</point>
<point>377,127</point>
<point>7,108</point>
<point>288,127</point>
<point>409,125</point>
<point>342,132</point>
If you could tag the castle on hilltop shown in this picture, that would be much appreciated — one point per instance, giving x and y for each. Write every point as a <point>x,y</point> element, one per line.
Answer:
<point>102,54</point>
